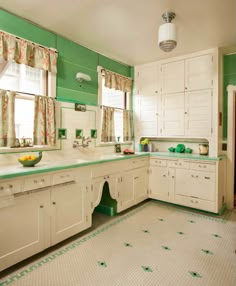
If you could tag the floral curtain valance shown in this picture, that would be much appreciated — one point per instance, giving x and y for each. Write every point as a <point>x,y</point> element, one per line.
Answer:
<point>25,52</point>
<point>116,81</point>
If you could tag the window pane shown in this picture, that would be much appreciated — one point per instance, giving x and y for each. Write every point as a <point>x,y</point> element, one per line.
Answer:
<point>24,115</point>
<point>23,78</point>
<point>112,97</point>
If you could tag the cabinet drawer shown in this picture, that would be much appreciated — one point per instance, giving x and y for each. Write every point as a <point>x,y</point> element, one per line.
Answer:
<point>158,162</point>
<point>106,169</point>
<point>63,177</point>
<point>203,166</point>
<point>10,187</point>
<point>196,203</point>
<point>37,182</point>
<point>178,164</point>
<point>138,163</point>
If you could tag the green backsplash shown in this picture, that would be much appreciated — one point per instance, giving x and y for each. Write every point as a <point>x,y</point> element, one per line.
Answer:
<point>229,79</point>
<point>72,58</point>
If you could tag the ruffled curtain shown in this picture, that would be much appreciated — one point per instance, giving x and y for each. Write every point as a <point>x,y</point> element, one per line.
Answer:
<point>24,52</point>
<point>44,121</point>
<point>7,118</point>
<point>127,125</point>
<point>107,134</point>
<point>116,81</point>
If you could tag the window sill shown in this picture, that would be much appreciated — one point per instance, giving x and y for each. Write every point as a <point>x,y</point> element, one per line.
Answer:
<point>35,148</point>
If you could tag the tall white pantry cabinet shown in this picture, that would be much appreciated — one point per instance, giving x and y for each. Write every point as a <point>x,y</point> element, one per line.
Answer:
<point>178,98</point>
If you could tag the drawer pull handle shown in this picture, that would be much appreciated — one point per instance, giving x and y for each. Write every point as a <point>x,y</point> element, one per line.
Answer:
<point>41,207</point>
<point>35,181</point>
<point>61,177</point>
<point>53,203</point>
<point>42,180</point>
<point>199,166</point>
<point>196,176</point>
<point>196,202</point>
<point>164,176</point>
<point>173,177</point>
<point>10,186</point>
<point>1,188</point>
<point>204,166</point>
<point>180,164</point>
<point>207,178</point>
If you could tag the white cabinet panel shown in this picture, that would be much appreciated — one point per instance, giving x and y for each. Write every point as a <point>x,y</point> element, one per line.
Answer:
<point>69,210</point>
<point>195,184</point>
<point>126,194</point>
<point>199,72</point>
<point>25,228</point>
<point>173,77</point>
<point>172,114</point>
<point>199,113</point>
<point>140,185</point>
<point>159,183</point>
<point>147,100</point>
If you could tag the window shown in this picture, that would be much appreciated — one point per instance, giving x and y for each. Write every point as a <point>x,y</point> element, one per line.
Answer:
<point>120,101</point>
<point>25,80</point>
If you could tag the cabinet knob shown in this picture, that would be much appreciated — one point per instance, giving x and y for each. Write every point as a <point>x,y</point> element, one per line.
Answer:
<point>196,202</point>
<point>156,91</point>
<point>185,87</point>
<point>41,207</point>
<point>1,188</point>
<point>35,181</point>
<point>42,180</point>
<point>53,203</point>
<point>10,186</point>
<point>173,177</point>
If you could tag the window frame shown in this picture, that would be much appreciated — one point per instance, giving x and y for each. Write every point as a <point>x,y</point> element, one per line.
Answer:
<point>127,104</point>
<point>50,91</point>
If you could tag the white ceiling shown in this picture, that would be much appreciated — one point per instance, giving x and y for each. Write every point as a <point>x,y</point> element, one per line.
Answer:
<point>126,30</point>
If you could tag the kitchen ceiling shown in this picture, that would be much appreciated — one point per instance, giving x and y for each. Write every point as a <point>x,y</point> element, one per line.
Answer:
<point>127,30</point>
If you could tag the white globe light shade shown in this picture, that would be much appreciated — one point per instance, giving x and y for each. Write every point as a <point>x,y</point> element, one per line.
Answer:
<point>167,37</point>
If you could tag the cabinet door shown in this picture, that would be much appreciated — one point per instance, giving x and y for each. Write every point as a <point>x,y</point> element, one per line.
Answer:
<point>195,184</point>
<point>172,77</point>
<point>126,195</point>
<point>199,72</point>
<point>69,214</point>
<point>159,183</point>
<point>198,113</point>
<point>146,107</point>
<point>25,228</point>
<point>140,185</point>
<point>172,114</point>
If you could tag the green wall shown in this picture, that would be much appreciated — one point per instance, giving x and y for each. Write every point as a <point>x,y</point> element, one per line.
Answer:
<point>229,79</point>
<point>72,58</point>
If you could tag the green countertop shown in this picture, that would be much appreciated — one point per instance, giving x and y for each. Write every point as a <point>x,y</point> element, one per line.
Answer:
<point>43,167</point>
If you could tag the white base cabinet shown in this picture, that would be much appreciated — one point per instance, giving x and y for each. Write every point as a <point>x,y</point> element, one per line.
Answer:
<point>191,183</point>
<point>25,227</point>
<point>70,212</point>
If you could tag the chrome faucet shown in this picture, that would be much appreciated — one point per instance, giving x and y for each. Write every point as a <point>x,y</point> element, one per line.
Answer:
<point>85,142</point>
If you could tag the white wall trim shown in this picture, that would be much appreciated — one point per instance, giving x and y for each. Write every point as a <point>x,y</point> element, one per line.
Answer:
<point>230,146</point>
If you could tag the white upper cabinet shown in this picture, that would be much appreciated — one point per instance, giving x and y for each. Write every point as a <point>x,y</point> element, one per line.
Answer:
<point>198,115</point>
<point>199,72</point>
<point>147,100</point>
<point>172,77</point>
<point>172,114</point>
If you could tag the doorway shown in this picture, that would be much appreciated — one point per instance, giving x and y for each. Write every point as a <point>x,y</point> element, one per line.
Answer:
<point>230,188</point>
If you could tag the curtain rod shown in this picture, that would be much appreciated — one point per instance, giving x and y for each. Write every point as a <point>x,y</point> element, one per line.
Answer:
<point>23,93</point>
<point>41,46</point>
<point>101,69</point>
<point>101,106</point>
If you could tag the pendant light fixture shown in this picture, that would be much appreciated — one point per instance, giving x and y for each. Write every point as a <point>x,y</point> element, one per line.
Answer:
<point>167,33</point>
